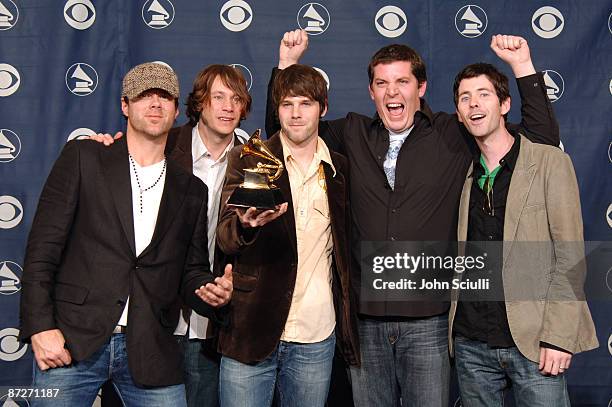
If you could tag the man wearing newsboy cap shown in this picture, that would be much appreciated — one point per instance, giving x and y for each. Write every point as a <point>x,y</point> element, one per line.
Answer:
<point>119,237</point>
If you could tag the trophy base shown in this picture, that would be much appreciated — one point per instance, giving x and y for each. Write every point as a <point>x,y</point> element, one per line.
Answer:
<point>263,199</point>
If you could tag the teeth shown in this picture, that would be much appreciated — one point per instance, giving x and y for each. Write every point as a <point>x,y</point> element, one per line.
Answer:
<point>392,105</point>
<point>477,116</point>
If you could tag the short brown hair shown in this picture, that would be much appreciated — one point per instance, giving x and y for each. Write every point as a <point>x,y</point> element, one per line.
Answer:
<point>230,76</point>
<point>498,79</point>
<point>398,52</point>
<point>299,80</point>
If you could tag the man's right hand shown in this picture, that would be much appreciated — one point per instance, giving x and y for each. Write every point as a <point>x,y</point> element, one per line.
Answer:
<point>292,46</point>
<point>49,351</point>
<point>106,138</point>
<point>252,217</point>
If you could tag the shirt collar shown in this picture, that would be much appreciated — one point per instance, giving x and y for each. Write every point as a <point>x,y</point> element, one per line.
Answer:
<point>321,153</point>
<point>199,150</point>
<point>511,156</point>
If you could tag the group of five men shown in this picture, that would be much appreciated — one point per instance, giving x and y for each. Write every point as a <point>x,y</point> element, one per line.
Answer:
<point>127,235</point>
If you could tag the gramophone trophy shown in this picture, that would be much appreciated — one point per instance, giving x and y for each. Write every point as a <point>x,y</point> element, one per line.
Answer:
<point>257,189</point>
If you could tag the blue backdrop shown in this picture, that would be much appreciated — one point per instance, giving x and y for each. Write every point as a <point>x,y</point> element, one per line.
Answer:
<point>61,65</point>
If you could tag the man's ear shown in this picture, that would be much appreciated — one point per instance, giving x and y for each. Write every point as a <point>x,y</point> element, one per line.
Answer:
<point>459,116</point>
<point>324,110</point>
<point>124,107</point>
<point>422,88</point>
<point>505,105</point>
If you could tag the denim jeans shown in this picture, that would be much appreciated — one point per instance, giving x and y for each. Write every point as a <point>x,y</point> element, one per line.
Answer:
<point>405,359</point>
<point>300,371</point>
<point>485,373</point>
<point>79,383</point>
<point>201,369</point>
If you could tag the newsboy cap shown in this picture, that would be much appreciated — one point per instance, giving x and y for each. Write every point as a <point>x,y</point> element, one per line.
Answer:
<point>150,75</point>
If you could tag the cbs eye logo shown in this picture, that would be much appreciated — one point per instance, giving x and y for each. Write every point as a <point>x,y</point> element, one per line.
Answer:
<point>10,348</point>
<point>79,14</point>
<point>11,212</point>
<point>158,14</point>
<point>391,21</point>
<point>547,22</point>
<point>9,15</point>
<point>9,80</point>
<point>236,15</point>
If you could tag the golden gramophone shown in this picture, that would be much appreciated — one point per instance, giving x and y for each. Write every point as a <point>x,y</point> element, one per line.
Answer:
<point>257,189</point>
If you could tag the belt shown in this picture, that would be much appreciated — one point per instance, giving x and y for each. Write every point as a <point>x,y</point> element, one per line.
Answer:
<point>120,329</point>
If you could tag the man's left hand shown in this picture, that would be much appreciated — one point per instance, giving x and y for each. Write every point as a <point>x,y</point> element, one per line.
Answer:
<point>514,51</point>
<point>553,362</point>
<point>219,293</point>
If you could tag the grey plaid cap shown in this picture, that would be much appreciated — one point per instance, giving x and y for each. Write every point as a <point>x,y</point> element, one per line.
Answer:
<point>150,75</point>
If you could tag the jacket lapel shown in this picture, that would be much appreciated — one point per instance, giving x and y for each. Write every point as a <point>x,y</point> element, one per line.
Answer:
<point>464,205</point>
<point>117,176</point>
<point>175,189</point>
<point>275,146</point>
<point>178,147</point>
<point>520,185</point>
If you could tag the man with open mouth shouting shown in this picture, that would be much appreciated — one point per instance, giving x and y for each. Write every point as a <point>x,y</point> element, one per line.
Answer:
<point>407,168</point>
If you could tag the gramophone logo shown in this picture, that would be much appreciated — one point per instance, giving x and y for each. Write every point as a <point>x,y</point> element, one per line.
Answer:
<point>471,21</point>
<point>246,72</point>
<point>611,86</point>
<point>10,282</point>
<point>324,75</point>
<point>609,215</point>
<point>81,133</point>
<point>236,15</point>
<point>610,152</point>
<point>6,401</point>
<point>11,212</point>
<point>313,18</point>
<point>79,14</point>
<point>391,21</point>
<point>9,80</point>
<point>10,145</point>
<point>158,14</point>
<point>610,23</point>
<point>81,79</point>
<point>10,347</point>
<point>554,85</point>
<point>9,14</point>
<point>547,22</point>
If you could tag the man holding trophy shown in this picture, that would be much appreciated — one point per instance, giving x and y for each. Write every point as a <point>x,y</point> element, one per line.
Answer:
<point>285,219</point>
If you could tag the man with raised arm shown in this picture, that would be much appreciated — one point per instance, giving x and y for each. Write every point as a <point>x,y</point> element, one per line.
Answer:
<point>407,168</point>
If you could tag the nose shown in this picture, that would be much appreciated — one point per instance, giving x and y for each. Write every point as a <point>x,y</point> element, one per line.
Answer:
<point>392,89</point>
<point>474,101</point>
<point>228,104</point>
<point>295,111</point>
<point>155,100</point>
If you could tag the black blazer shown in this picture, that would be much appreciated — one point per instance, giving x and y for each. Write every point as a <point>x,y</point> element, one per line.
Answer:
<point>81,264</point>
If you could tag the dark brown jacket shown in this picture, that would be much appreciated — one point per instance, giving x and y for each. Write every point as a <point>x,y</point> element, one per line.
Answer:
<point>265,266</point>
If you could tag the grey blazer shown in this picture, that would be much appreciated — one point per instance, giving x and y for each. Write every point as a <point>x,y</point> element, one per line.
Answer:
<point>543,279</point>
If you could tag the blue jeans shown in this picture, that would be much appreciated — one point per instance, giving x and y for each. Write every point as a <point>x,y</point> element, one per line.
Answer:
<point>201,369</point>
<point>405,359</point>
<point>485,373</point>
<point>300,371</point>
<point>79,383</point>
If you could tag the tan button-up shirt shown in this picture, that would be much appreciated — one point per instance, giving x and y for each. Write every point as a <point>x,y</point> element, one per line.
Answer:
<point>311,316</point>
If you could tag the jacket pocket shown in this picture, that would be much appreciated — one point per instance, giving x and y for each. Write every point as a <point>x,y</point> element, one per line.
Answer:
<point>244,282</point>
<point>71,293</point>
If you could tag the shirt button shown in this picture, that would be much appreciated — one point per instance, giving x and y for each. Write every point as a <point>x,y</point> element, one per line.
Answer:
<point>393,238</point>
<point>490,237</point>
<point>393,210</point>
